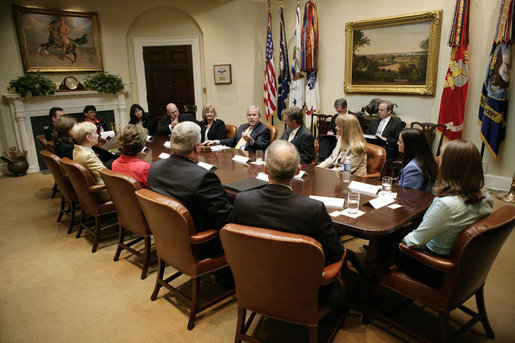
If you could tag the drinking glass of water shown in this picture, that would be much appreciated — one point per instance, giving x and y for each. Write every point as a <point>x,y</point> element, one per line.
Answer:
<point>259,157</point>
<point>386,185</point>
<point>353,202</point>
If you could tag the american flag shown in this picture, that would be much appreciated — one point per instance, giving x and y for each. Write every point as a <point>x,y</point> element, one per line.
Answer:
<point>270,82</point>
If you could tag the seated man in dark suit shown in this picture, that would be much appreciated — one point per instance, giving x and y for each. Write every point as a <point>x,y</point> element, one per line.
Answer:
<point>276,207</point>
<point>53,114</point>
<point>172,118</point>
<point>199,190</point>
<point>251,136</point>
<point>298,134</point>
<point>328,142</point>
<point>386,129</point>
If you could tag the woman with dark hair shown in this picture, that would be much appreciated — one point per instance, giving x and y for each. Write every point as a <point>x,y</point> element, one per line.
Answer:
<point>213,128</point>
<point>460,201</point>
<point>138,116</point>
<point>419,166</point>
<point>63,136</point>
<point>131,141</point>
<point>90,115</point>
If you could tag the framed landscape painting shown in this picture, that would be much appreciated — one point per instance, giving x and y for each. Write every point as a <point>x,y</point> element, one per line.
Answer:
<point>393,55</point>
<point>58,41</point>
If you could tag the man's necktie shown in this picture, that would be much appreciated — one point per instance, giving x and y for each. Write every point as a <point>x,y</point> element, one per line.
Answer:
<point>241,143</point>
<point>291,136</point>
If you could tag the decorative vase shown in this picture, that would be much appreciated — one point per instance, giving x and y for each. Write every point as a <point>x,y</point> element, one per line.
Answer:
<point>19,166</point>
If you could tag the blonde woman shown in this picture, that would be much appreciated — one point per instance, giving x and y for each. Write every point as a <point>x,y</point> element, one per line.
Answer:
<point>85,133</point>
<point>213,128</point>
<point>350,143</point>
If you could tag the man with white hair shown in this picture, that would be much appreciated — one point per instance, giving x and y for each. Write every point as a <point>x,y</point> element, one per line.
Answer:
<point>277,207</point>
<point>251,136</point>
<point>198,189</point>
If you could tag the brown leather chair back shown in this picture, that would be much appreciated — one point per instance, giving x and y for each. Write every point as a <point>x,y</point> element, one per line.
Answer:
<point>122,189</point>
<point>276,273</point>
<point>53,163</point>
<point>376,157</point>
<point>171,224</point>
<point>230,130</point>
<point>274,131</point>
<point>43,142</point>
<point>81,180</point>
<point>475,252</point>
<point>429,132</point>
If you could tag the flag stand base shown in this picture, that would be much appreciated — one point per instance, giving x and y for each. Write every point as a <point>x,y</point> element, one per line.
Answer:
<point>509,197</point>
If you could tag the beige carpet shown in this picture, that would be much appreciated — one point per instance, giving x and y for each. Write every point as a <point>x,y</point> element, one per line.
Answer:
<point>53,289</point>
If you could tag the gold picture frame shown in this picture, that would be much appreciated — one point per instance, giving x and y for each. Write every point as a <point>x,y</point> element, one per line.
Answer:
<point>41,33</point>
<point>397,55</point>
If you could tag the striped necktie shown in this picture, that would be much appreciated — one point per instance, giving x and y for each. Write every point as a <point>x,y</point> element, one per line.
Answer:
<point>291,136</point>
<point>241,143</point>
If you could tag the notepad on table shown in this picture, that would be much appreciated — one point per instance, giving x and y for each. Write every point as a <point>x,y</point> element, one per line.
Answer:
<point>163,155</point>
<point>167,144</point>
<point>331,202</point>
<point>240,159</point>
<point>364,188</point>
<point>245,184</point>
<point>206,166</point>
<point>107,134</point>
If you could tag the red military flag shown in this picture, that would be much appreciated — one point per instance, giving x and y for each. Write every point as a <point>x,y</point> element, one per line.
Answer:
<point>454,95</point>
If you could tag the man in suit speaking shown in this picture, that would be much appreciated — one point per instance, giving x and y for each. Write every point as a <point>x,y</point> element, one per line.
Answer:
<point>386,129</point>
<point>251,136</point>
<point>172,118</point>
<point>199,190</point>
<point>276,207</point>
<point>298,134</point>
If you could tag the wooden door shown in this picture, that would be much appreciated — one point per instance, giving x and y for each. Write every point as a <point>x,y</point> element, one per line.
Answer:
<point>169,77</point>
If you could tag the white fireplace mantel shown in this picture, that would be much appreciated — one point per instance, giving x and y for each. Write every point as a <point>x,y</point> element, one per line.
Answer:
<point>22,109</point>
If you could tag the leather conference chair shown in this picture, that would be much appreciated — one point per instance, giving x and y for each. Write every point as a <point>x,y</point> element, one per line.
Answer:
<point>230,130</point>
<point>376,157</point>
<point>45,145</point>
<point>68,195</point>
<point>465,272</point>
<point>177,245</point>
<point>274,131</point>
<point>315,152</point>
<point>121,187</point>
<point>283,282</point>
<point>89,197</point>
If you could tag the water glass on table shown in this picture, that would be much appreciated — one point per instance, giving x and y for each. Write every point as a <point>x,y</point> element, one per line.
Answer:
<point>259,156</point>
<point>386,185</point>
<point>353,202</point>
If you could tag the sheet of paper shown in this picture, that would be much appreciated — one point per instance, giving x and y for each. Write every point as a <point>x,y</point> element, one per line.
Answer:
<point>364,188</point>
<point>262,176</point>
<point>300,175</point>
<point>167,144</point>
<point>335,213</point>
<point>206,166</point>
<point>352,215</point>
<point>394,206</point>
<point>381,201</point>
<point>332,202</point>
<point>163,155</point>
<point>240,159</point>
<point>106,134</point>
<point>367,136</point>
<point>149,138</point>
<point>219,147</point>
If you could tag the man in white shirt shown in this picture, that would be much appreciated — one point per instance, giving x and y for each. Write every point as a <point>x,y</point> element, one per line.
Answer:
<point>387,129</point>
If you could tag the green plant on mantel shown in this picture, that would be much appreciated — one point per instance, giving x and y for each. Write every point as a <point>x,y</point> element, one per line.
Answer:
<point>104,83</point>
<point>33,83</point>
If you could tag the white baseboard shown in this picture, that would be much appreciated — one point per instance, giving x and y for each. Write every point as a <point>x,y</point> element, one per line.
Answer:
<point>497,182</point>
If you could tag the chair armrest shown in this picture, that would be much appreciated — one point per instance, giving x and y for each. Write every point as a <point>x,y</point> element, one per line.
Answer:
<point>204,236</point>
<point>371,176</point>
<point>437,263</point>
<point>332,271</point>
<point>97,188</point>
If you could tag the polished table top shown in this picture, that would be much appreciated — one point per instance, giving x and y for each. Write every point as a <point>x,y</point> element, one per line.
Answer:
<point>317,181</point>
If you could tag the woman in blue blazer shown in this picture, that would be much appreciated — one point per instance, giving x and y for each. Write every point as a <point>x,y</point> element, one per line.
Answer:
<point>419,166</point>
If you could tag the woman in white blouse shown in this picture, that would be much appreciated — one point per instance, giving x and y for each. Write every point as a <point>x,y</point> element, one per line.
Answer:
<point>350,143</point>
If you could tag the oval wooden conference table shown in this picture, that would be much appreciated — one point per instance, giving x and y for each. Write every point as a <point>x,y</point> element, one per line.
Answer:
<point>376,225</point>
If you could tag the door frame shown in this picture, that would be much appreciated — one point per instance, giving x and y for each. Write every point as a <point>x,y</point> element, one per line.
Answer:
<point>193,41</point>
